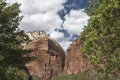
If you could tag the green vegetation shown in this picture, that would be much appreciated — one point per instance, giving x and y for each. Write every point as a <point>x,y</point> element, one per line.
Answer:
<point>91,75</point>
<point>64,76</point>
<point>35,77</point>
<point>101,41</point>
<point>101,37</point>
<point>12,56</point>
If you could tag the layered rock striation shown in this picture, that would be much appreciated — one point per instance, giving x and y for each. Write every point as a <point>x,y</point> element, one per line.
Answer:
<point>49,55</point>
<point>75,61</point>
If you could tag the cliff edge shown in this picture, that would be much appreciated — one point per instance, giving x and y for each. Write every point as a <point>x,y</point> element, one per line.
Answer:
<point>49,55</point>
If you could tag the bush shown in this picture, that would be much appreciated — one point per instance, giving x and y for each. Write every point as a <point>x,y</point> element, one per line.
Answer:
<point>35,77</point>
<point>90,75</point>
<point>64,76</point>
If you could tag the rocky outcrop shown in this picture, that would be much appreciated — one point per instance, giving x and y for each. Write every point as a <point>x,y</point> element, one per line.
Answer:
<point>75,61</point>
<point>49,55</point>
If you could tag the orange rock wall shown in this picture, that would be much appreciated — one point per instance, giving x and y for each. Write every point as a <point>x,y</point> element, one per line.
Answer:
<point>49,60</point>
<point>75,61</point>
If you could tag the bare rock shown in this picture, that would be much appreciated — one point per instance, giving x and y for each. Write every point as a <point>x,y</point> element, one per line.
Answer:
<point>49,55</point>
<point>75,61</point>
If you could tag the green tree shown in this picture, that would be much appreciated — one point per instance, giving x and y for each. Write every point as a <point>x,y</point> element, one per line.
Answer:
<point>12,57</point>
<point>101,37</point>
<point>64,76</point>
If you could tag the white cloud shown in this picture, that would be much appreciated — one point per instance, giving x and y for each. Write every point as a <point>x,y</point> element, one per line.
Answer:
<point>65,44</point>
<point>42,15</point>
<point>57,35</point>
<point>75,21</point>
<point>47,22</point>
<point>74,24</point>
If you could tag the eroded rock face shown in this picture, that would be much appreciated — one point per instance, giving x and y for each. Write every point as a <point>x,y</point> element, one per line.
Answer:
<point>49,56</point>
<point>75,61</point>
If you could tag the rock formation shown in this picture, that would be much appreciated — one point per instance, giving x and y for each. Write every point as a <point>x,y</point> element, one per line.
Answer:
<point>49,55</point>
<point>75,61</point>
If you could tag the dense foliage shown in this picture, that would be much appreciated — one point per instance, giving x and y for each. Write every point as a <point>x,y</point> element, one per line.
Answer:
<point>89,75</point>
<point>101,37</point>
<point>12,56</point>
<point>64,76</point>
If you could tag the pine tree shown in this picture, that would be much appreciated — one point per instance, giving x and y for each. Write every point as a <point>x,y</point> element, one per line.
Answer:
<point>12,57</point>
<point>101,37</point>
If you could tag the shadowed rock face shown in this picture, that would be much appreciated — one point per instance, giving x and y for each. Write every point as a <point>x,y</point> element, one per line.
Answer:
<point>49,56</point>
<point>75,61</point>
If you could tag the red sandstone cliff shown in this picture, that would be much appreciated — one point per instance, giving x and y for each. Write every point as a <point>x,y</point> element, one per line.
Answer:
<point>75,61</point>
<point>49,56</point>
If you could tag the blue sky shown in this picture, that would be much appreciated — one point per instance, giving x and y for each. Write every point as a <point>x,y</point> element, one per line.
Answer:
<point>63,20</point>
<point>72,5</point>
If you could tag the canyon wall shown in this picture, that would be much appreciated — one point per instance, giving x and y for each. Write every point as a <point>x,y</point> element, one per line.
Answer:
<point>50,56</point>
<point>75,61</point>
<point>51,59</point>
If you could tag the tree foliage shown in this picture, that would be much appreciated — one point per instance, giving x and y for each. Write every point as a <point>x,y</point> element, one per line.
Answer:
<point>101,37</point>
<point>12,56</point>
<point>64,76</point>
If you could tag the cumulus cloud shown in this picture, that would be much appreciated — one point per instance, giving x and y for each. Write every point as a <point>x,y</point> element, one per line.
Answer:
<point>74,24</point>
<point>65,43</point>
<point>75,21</point>
<point>40,14</point>
<point>47,22</point>
<point>43,15</point>
<point>57,35</point>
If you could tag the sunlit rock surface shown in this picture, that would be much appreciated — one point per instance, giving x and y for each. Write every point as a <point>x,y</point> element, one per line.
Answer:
<point>75,61</point>
<point>49,56</point>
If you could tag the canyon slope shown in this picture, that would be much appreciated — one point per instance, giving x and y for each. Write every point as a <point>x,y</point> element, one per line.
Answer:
<point>51,59</point>
<point>75,61</point>
<point>50,56</point>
